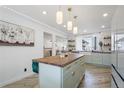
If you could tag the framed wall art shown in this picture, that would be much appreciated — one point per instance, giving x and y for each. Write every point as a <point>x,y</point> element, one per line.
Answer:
<point>15,35</point>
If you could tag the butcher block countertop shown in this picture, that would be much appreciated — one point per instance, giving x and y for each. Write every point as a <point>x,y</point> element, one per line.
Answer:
<point>59,61</point>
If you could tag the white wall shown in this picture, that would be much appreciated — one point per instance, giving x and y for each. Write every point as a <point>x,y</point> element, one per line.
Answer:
<point>78,41</point>
<point>47,40</point>
<point>84,37</point>
<point>13,59</point>
<point>99,37</point>
<point>105,41</point>
<point>61,43</point>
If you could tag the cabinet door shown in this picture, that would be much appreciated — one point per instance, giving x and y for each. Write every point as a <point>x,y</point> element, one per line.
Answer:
<point>72,76</point>
<point>67,82</point>
<point>88,59</point>
<point>96,58</point>
<point>106,59</point>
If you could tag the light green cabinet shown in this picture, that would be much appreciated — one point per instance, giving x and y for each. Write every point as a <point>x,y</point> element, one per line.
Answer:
<point>106,59</point>
<point>98,58</point>
<point>70,76</point>
<point>73,75</point>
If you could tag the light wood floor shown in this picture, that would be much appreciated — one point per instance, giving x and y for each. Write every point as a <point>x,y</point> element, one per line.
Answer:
<point>28,82</point>
<point>95,77</point>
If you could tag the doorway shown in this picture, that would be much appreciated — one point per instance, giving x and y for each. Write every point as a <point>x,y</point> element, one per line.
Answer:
<point>47,44</point>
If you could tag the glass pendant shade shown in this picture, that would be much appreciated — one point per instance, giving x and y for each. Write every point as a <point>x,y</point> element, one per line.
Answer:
<point>75,30</point>
<point>59,17</point>
<point>69,25</point>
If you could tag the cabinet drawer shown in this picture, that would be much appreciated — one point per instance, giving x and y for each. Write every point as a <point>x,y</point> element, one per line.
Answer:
<point>68,71</point>
<point>67,80</point>
<point>70,79</point>
<point>70,67</point>
<point>72,73</point>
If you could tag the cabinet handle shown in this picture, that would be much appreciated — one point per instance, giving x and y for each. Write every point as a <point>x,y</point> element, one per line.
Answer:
<point>82,64</point>
<point>73,73</point>
<point>75,62</point>
<point>68,67</point>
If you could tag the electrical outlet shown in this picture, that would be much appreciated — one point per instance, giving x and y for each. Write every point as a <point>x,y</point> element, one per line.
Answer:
<point>25,69</point>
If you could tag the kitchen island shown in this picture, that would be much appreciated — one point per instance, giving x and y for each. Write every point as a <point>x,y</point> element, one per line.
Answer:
<point>61,72</point>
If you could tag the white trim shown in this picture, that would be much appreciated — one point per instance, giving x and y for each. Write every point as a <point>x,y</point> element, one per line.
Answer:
<point>15,79</point>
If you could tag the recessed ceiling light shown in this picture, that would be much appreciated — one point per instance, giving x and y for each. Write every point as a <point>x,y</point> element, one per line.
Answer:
<point>44,12</point>
<point>102,26</point>
<point>85,30</point>
<point>64,26</point>
<point>105,14</point>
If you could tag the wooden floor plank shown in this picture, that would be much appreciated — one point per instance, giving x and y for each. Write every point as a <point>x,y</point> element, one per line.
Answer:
<point>95,77</point>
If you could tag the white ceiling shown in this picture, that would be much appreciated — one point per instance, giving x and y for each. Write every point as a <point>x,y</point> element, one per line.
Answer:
<point>89,16</point>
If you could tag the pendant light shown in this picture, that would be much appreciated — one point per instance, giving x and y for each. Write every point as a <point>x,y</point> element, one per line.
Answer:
<point>59,16</point>
<point>69,23</point>
<point>75,28</point>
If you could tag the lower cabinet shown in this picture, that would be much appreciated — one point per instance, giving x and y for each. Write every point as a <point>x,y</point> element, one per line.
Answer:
<point>73,73</point>
<point>70,76</point>
<point>106,59</point>
<point>96,58</point>
<point>99,58</point>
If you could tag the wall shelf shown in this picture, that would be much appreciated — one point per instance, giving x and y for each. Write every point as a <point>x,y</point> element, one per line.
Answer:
<point>107,37</point>
<point>71,44</point>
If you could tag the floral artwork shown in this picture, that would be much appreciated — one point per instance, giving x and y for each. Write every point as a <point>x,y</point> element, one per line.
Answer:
<point>15,35</point>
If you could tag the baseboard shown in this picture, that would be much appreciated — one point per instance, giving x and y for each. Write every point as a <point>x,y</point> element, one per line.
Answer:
<point>99,64</point>
<point>15,79</point>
